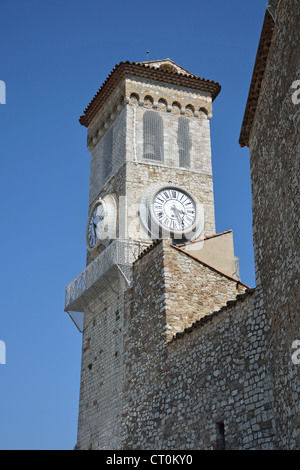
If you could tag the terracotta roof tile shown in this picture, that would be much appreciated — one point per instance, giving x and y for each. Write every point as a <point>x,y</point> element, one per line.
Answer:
<point>124,69</point>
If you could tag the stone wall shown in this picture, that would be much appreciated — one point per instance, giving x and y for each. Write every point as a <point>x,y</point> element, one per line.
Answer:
<point>100,405</point>
<point>217,369</point>
<point>176,391</point>
<point>108,155</point>
<point>145,352</point>
<point>275,160</point>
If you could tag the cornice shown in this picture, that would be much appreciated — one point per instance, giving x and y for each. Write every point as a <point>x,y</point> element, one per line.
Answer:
<point>126,69</point>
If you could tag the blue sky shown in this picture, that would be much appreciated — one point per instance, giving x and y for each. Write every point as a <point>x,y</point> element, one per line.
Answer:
<point>54,56</point>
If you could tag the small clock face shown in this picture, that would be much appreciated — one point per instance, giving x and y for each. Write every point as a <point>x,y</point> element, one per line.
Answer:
<point>95,225</point>
<point>174,209</point>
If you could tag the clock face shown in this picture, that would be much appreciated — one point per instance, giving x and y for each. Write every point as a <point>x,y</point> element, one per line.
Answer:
<point>95,225</point>
<point>101,224</point>
<point>174,209</point>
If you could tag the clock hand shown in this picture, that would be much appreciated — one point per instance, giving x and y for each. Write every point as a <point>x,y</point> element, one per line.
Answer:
<point>177,213</point>
<point>98,219</point>
<point>97,228</point>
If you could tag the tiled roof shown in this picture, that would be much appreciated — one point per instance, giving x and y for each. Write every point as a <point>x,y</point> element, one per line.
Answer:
<point>257,78</point>
<point>141,70</point>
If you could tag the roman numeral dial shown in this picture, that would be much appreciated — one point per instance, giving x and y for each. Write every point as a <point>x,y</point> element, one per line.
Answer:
<point>101,224</point>
<point>174,209</point>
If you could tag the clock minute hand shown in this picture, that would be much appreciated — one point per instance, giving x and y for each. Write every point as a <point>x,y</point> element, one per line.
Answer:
<point>177,213</point>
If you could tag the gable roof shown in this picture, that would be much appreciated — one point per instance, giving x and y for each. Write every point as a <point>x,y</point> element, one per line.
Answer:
<point>167,64</point>
<point>209,266</point>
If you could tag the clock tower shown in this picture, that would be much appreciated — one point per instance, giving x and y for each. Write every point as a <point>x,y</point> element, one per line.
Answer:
<point>148,133</point>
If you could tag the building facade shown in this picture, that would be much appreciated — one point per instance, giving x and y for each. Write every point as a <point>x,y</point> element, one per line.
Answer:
<point>177,352</point>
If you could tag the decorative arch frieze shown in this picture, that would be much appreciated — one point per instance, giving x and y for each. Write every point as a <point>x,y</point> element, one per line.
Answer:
<point>149,102</point>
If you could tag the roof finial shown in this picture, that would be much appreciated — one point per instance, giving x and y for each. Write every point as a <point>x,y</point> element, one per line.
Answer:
<point>147,54</point>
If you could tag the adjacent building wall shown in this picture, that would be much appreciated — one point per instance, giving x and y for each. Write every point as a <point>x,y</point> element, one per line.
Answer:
<point>275,161</point>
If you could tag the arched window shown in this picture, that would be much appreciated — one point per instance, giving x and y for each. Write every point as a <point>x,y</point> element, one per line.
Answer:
<point>134,99</point>
<point>203,113</point>
<point>162,105</point>
<point>184,142</point>
<point>148,101</point>
<point>153,136</point>
<point>176,108</point>
<point>189,110</point>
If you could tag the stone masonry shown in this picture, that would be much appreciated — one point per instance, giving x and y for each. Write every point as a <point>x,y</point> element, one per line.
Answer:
<point>274,144</point>
<point>179,386</point>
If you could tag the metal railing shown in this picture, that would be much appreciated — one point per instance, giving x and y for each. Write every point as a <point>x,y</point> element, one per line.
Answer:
<point>120,253</point>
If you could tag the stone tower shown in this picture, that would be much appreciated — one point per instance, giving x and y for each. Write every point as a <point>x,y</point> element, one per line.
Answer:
<point>148,127</point>
<point>148,132</point>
